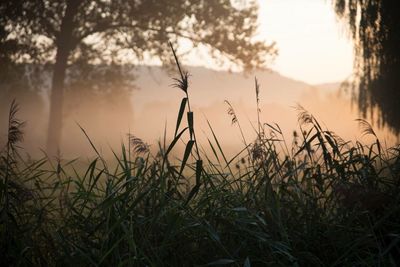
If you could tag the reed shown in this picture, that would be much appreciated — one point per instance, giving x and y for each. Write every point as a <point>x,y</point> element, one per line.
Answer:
<point>315,201</point>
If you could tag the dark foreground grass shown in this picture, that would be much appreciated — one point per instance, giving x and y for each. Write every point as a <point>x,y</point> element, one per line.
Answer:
<point>319,201</point>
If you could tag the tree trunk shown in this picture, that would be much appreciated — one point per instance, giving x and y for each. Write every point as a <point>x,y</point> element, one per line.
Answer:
<point>56,103</point>
<point>65,44</point>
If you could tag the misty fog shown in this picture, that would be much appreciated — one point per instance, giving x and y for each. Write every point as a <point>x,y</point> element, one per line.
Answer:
<point>153,104</point>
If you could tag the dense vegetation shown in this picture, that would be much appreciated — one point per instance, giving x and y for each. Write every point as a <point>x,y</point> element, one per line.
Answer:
<point>319,201</point>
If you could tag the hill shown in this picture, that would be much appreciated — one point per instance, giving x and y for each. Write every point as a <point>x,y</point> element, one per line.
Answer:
<point>145,112</point>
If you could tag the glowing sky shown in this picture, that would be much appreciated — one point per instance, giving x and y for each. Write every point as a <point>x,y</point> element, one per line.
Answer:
<point>312,44</point>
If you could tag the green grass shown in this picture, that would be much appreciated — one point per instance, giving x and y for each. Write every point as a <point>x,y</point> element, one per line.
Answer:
<point>318,201</point>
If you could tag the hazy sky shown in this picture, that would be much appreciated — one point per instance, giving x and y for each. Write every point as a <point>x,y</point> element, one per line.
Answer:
<point>312,44</point>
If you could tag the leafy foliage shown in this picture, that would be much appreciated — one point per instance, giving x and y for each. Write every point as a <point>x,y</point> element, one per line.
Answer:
<point>375,28</point>
<point>104,31</point>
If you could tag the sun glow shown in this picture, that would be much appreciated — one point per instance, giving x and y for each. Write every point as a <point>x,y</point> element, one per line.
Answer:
<point>312,44</point>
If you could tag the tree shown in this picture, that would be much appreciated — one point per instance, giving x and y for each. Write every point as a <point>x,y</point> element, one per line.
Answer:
<point>375,28</point>
<point>63,32</point>
<point>17,81</point>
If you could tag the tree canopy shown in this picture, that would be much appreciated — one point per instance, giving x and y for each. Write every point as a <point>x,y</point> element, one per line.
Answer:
<point>99,31</point>
<point>86,33</point>
<point>375,28</point>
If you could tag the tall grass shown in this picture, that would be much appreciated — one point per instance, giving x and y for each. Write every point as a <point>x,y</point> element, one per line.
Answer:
<point>314,201</point>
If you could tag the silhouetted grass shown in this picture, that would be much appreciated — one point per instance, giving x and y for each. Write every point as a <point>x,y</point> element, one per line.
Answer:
<point>316,201</point>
